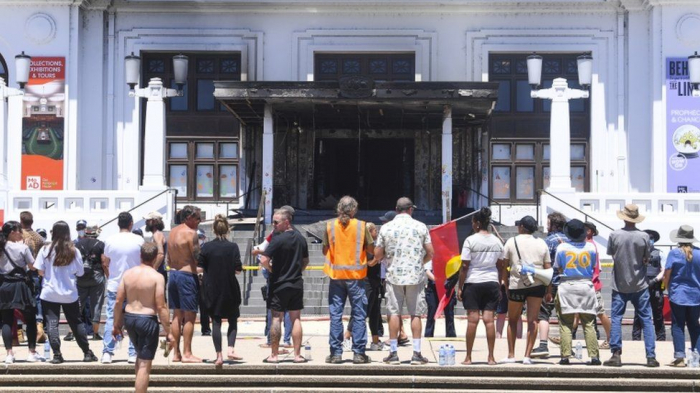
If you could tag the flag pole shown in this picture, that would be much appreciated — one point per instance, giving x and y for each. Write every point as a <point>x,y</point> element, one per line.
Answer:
<point>465,216</point>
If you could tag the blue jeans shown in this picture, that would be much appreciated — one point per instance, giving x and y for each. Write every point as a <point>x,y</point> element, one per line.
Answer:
<point>338,292</point>
<point>108,341</point>
<point>37,293</point>
<point>640,301</point>
<point>682,316</point>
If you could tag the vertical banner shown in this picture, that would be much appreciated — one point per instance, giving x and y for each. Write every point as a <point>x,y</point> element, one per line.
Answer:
<point>43,125</point>
<point>682,132</point>
<point>446,260</point>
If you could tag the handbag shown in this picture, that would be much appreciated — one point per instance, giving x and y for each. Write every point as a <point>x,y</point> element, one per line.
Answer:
<point>18,274</point>
<point>528,280</point>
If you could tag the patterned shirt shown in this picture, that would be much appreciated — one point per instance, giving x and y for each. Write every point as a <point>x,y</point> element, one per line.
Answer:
<point>402,240</point>
<point>33,240</point>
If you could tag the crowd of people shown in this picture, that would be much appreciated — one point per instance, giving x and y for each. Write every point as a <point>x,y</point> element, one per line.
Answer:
<point>497,280</point>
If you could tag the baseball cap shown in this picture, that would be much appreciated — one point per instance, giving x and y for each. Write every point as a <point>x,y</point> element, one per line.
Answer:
<point>200,233</point>
<point>41,232</point>
<point>528,223</point>
<point>137,232</point>
<point>153,216</point>
<point>388,216</point>
<point>81,223</point>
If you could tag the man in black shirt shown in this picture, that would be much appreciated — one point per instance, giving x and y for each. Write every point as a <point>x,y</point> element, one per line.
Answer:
<point>92,284</point>
<point>285,258</point>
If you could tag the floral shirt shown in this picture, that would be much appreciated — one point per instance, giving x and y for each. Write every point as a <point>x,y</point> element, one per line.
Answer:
<point>402,240</point>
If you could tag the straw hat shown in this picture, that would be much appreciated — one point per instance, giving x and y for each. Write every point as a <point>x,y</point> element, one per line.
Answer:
<point>630,214</point>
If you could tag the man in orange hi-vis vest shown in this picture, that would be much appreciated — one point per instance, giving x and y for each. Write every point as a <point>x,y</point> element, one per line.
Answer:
<point>346,243</point>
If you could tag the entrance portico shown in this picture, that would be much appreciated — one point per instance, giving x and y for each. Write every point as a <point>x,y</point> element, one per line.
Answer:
<point>374,140</point>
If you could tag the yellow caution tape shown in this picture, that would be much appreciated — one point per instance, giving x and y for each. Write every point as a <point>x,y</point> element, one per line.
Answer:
<point>258,268</point>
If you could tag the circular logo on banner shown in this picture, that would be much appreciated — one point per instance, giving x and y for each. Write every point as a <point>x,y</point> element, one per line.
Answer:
<point>678,162</point>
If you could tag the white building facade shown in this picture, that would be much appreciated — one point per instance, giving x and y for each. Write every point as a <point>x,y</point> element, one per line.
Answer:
<point>620,136</point>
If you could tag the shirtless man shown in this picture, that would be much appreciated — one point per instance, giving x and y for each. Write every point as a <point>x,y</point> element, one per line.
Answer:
<point>144,288</point>
<point>183,287</point>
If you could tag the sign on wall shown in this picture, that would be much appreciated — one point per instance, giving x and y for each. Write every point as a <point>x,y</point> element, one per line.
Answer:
<point>682,128</point>
<point>43,125</point>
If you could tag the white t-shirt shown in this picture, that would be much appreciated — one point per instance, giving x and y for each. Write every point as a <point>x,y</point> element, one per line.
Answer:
<point>124,252</point>
<point>59,284</point>
<point>483,251</point>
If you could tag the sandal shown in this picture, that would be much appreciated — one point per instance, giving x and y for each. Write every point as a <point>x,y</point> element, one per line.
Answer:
<point>267,360</point>
<point>302,360</point>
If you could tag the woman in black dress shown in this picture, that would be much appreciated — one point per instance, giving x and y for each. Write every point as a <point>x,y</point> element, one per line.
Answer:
<point>221,261</point>
<point>15,293</point>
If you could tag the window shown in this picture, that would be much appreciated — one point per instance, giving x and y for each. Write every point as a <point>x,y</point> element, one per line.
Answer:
<point>203,169</point>
<point>3,71</point>
<point>202,137</point>
<point>380,66</point>
<point>530,168</point>
<point>519,144</point>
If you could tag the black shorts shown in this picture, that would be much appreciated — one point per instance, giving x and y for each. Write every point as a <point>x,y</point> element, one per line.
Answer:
<point>143,333</point>
<point>546,309</point>
<point>520,295</point>
<point>482,296</point>
<point>503,303</point>
<point>183,291</point>
<point>287,299</point>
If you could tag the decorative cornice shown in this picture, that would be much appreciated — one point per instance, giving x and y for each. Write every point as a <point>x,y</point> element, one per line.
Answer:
<point>635,5</point>
<point>86,4</point>
<point>374,6</point>
<point>96,5</point>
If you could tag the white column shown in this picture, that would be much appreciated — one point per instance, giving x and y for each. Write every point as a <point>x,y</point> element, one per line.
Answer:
<point>14,142</point>
<point>267,166</point>
<point>446,174</point>
<point>560,140</point>
<point>154,141</point>
<point>3,134</point>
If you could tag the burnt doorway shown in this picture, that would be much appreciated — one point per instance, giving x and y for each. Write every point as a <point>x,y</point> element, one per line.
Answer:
<point>375,171</point>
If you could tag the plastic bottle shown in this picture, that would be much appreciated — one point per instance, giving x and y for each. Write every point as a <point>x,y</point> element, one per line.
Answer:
<point>695,360</point>
<point>119,343</point>
<point>442,359</point>
<point>451,355</point>
<point>307,352</point>
<point>579,350</point>
<point>47,350</point>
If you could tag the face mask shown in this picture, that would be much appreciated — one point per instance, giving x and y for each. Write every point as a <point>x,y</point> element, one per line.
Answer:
<point>651,241</point>
<point>81,233</point>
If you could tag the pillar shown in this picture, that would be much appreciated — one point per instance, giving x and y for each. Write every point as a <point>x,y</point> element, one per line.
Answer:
<point>154,138</point>
<point>267,165</point>
<point>446,173</point>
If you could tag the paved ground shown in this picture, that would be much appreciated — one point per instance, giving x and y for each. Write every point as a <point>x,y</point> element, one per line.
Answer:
<point>316,333</point>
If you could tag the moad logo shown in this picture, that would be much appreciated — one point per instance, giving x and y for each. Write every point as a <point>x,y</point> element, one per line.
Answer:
<point>33,182</point>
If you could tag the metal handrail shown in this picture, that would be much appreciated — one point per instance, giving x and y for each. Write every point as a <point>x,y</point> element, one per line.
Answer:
<point>139,205</point>
<point>586,215</point>
<point>488,199</point>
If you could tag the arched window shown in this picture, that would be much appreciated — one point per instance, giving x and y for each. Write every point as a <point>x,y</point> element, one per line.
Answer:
<point>3,70</point>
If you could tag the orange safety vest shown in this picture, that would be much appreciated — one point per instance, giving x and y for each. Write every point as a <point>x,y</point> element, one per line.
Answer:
<point>346,258</point>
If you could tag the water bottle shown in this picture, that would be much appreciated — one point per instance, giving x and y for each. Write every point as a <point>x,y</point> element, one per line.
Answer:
<point>579,350</point>
<point>47,350</point>
<point>695,360</point>
<point>450,355</point>
<point>307,352</point>
<point>119,343</point>
<point>442,359</point>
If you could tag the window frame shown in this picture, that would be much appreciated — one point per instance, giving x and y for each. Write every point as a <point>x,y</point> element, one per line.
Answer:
<point>365,59</point>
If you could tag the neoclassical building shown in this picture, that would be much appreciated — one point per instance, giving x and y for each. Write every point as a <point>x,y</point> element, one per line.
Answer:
<point>306,101</point>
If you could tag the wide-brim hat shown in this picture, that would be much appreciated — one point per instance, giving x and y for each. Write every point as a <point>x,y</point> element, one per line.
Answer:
<point>653,235</point>
<point>630,214</point>
<point>575,230</point>
<point>684,234</point>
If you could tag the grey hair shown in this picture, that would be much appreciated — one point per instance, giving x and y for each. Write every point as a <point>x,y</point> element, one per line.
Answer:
<point>347,208</point>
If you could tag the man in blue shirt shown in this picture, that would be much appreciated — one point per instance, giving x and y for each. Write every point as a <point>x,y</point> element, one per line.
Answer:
<point>555,237</point>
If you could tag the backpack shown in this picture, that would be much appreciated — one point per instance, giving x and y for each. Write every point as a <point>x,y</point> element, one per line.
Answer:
<point>87,248</point>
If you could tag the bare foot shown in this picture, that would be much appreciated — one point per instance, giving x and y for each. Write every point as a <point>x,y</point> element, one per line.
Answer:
<point>232,355</point>
<point>191,359</point>
<point>492,362</point>
<point>467,361</point>
<point>177,357</point>
<point>271,359</point>
<point>219,360</point>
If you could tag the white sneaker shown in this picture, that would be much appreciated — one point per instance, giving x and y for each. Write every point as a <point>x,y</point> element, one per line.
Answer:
<point>527,361</point>
<point>132,359</point>
<point>507,361</point>
<point>106,358</point>
<point>9,359</point>
<point>35,357</point>
<point>347,345</point>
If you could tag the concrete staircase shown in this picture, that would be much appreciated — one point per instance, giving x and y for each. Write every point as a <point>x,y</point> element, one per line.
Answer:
<point>358,378</point>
